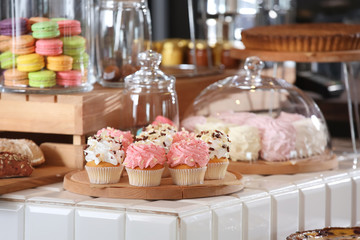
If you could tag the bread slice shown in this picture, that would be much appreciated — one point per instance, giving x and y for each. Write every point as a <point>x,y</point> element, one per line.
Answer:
<point>24,147</point>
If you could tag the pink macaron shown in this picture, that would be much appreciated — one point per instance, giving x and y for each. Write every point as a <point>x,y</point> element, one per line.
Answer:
<point>68,78</point>
<point>69,27</point>
<point>49,47</point>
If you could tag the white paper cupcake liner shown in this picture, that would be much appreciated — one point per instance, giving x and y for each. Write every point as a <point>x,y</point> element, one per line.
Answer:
<point>104,175</point>
<point>216,170</point>
<point>166,172</point>
<point>144,178</point>
<point>188,176</point>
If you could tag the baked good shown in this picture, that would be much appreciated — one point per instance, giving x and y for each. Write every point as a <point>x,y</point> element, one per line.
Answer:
<point>18,25</point>
<point>163,120</point>
<point>44,30</point>
<point>74,45</point>
<point>4,43</point>
<point>245,143</point>
<point>59,63</point>
<point>81,62</point>
<point>144,163</point>
<point>42,79</point>
<point>14,165</point>
<point>69,78</point>
<point>219,148</point>
<point>161,134</point>
<point>104,156</point>
<point>327,233</point>
<point>49,47</point>
<point>22,45</point>
<point>69,27</point>
<point>25,147</point>
<point>309,37</point>
<point>34,20</point>
<point>30,62</point>
<point>8,60</point>
<point>13,77</point>
<point>187,160</point>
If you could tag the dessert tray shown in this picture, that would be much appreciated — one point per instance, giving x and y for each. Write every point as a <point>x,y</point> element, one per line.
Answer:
<point>78,182</point>
<point>305,165</point>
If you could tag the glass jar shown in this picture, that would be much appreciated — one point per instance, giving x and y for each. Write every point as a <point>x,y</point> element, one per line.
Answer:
<point>266,118</point>
<point>149,95</point>
<point>46,46</point>
<point>124,30</point>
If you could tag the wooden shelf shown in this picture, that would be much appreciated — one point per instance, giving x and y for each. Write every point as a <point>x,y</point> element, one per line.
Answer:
<point>274,56</point>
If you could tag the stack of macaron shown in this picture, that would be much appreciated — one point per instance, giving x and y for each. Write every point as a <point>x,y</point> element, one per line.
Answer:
<point>190,158</point>
<point>50,51</point>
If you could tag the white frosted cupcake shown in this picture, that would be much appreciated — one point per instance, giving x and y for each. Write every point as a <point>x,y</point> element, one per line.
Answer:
<point>104,157</point>
<point>144,163</point>
<point>219,147</point>
<point>187,160</point>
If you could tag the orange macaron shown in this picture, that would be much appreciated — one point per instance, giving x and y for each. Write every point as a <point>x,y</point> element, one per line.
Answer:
<point>4,43</point>
<point>15,78</point>
<point>22,45</point>
<point>59,63</point>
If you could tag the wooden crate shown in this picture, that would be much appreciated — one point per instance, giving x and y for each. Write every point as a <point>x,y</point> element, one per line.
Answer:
<point>76,115</point>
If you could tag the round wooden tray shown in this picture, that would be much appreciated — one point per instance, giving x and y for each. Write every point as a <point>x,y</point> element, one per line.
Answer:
<point>313,164</point>
<point>335,56</point>
<point>78,182</point>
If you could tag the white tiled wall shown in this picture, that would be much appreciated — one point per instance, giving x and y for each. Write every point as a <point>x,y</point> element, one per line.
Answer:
<point>268,208</point>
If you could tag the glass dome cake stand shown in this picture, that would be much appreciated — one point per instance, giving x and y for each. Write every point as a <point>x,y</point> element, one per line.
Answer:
<point>273,126</point>
<point>343,57</point>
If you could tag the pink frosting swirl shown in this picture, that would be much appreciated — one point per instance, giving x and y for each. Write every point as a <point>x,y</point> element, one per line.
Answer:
<point>126,138</point>
<point>194,153</point>
<point>290,117</point>
<point>278,138</point>
<point>183,135</point>
<point>161,119</point>
<point>144,155</point>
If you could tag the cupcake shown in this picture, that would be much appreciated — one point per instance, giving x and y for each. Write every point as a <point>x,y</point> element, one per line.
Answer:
<point>219,148</point>
<point>183,135</point>
<point>144,163</point>
<point>187,160</point>
<point>126,138</point>
<point>104,157</point>
<point>161,134</point>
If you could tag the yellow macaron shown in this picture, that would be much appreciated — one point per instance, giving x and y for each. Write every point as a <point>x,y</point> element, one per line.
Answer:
<point>30,62</point>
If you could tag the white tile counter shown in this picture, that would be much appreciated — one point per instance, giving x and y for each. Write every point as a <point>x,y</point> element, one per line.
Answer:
<point>270,207</point>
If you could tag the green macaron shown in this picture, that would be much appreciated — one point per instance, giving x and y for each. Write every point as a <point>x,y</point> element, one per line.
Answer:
<point>43,30</point>
<point>42,79</point>
<point>81,61</point>
<point>8,60</point>
<point>74,45</point>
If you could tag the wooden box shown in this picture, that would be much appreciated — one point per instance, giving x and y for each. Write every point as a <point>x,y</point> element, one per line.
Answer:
<point>64,117</point>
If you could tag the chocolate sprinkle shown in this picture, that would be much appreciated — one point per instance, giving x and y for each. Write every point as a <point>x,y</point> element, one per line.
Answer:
<point>211,149</point>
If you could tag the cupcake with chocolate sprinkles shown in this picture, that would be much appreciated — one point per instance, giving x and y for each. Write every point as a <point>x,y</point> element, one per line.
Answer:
<point>219,147</point>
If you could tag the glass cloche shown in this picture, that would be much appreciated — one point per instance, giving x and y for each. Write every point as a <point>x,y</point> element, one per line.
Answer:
<point>266,119</point>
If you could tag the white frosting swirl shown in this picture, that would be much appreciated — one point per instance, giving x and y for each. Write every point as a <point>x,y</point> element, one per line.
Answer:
<point>245,143</point>
<point>218,142</point>
<point>104,150</point>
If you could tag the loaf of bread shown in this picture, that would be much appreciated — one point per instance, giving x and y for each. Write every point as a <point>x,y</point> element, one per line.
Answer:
<point>14,165</point>
<point>24,147</point>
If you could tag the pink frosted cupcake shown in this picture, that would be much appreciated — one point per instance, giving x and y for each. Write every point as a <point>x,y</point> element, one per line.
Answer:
<point>187,160</point>
<point>125,137</point>
<point>144,164</point>
<point>183,135</point>
<point>219,148</point>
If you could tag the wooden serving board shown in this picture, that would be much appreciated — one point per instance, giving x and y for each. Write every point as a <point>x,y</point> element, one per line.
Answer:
<point>78,182</point>
<point>314,164</point>
<point>40,176</point>
<point>278,56</point>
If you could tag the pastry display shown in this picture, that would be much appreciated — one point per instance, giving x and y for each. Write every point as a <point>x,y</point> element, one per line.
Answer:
<point>310,37</point>
<point>40,40</point>
<point>327,233</point>
<point>144,163</point>
<point>219,148</point>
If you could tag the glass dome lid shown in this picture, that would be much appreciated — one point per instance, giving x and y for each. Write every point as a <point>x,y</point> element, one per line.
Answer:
<point>266,118</point>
